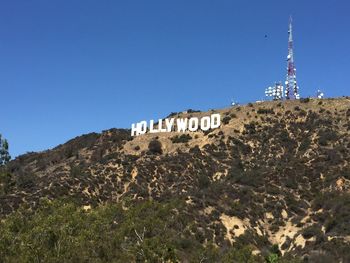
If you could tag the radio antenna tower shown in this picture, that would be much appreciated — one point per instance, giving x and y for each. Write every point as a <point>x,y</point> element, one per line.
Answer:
<point>292,89</point>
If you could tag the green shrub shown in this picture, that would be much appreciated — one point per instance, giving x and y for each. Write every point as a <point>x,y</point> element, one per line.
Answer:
<point>265,111</point>
<point>305,100</point>
<point>25,180</point>
<point>183,138</point>
<point>203,181</point>
<point>155,147</point>
<point>311,231</point>
<point>6,182</point>
<point>137,148</point>
<point>226,119</point>
<point>326,136</point>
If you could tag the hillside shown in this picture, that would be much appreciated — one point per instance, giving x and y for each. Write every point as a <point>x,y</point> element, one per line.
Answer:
<point>274,174</point>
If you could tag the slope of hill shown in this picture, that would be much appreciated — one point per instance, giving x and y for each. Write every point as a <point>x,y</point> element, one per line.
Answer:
<point>274,174</point>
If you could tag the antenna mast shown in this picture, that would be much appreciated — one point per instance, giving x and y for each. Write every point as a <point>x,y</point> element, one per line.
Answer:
<point>292,89</point>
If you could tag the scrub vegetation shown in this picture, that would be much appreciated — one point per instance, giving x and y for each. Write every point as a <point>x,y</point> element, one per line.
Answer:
<point>271,186</point>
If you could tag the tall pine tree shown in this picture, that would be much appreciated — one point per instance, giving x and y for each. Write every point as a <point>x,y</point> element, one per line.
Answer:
<point>4,151</point>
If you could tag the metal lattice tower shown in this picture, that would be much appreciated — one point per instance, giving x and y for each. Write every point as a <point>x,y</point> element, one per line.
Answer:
<point>292,89</point>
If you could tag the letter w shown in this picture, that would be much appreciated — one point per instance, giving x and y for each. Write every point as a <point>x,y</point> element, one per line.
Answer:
<point>181,124</point>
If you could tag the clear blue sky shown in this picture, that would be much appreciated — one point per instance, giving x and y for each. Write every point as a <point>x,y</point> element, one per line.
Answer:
<point>74,67</point>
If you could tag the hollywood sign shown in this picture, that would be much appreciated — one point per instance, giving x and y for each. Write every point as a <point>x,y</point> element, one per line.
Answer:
<point>177,125</point>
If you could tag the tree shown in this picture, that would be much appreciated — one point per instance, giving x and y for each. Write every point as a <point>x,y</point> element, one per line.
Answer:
<point>4,151</point>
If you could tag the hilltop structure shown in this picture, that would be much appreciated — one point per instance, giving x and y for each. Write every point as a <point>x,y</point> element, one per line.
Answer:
<point>292,89</point>
<point>276,92</point>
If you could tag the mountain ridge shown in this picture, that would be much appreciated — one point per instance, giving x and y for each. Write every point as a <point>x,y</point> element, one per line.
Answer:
<point>273,173</point>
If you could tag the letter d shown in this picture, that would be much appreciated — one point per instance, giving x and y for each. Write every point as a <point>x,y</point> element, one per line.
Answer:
<point>215,120</point>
